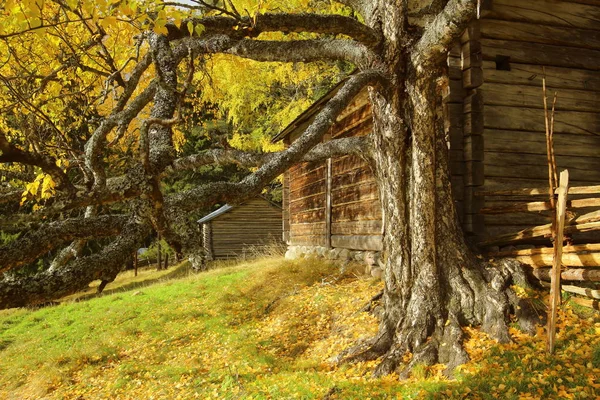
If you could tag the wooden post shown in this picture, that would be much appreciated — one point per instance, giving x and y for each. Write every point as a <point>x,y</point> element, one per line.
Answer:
<point>555,292</point>
<point>135,263</point>
<point>328,205</point>
<point>159,255</point>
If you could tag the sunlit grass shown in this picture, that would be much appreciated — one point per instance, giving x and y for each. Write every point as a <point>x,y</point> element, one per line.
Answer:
<point>264,329</point>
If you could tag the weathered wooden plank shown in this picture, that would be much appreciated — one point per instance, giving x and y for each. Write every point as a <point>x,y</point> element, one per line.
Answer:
<point>529,119</point>
<point>531,75</point>
<point>308,216</point>
<point>473,77</point>
<point>347,164</point>
<point>558,13</point>
<point>359,175</point>
<point>362,192</point>
<point>359,128</point>
<point>369,227</point>
<point>308,240</point>
<point>531,166</point>
<point>538,33</point>
<point>540,54</point>
<point>454,93</point>
<point>307,178</point>
<point>474,173</point>
<point>578,248</point>
<point>595,294</point>
<point>362,242</point>
<point>474,148</point>
<point>530,219</point>
<point>568,260</point>
<point>537,206</point>
<point>534,143</point>
<point>557,256</point>
<point>356,211</point>
<point>579,274</point>
<point>308,203</point>
<point>308,229</point>
<point>512,95</point>
<point>317,187</point>
<point>587,303</point>
<point>302,169</point>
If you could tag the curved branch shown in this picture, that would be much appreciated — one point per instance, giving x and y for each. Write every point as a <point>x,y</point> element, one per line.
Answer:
<point>322,151</point>
<point>304,51</point>
<point>440,33</point>
<point>35,243</point>
<point>76,276</point>
<point>280,22</point>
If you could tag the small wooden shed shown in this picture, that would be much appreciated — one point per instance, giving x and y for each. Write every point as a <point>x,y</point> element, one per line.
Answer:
<point>494,120</point>
<point>242,230</point>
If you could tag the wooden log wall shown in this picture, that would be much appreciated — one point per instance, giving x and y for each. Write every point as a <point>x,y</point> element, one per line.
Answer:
<point>245,228</point>
<point>503,56</point>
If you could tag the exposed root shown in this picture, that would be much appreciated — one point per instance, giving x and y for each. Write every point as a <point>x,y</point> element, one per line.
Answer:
<point>474,297</point>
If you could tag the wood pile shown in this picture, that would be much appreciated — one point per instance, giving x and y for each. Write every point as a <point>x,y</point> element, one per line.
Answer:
<point>580,261</point>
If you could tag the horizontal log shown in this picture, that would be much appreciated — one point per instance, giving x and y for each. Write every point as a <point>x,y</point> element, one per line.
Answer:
<point>370,210</point>
<point>594,294</point>
<point>345,164</point>
<point>307,190</point>
<point>372,227</point>
<point>529,119</point>
<point>568,260</point>
<point>308,216</point>
<point>522,142</point>
<point>540,54</point>
<point>538,33</point>
<point>529,96</point>
<point>587,303</point>
<point>366,242</point>
<point>541,12</point>
<point>539,206</point>
<point>528,219</point>
<point>557,78</point>
<point>308,240</point>
<point>575,274</point>
<point>308,229</point>
<point>356,176</point>
<point>362,192</point>
<point>547,250</point>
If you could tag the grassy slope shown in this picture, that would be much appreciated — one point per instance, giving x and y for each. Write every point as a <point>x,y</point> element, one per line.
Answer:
<point>260,330</point>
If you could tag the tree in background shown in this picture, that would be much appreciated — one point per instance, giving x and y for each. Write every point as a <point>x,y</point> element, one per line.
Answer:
<point>94,93</point>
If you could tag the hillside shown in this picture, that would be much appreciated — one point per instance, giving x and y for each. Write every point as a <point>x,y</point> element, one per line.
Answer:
<point>261,330</point>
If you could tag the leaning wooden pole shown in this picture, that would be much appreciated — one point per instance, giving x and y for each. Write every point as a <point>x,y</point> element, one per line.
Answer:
<point>555,292</point>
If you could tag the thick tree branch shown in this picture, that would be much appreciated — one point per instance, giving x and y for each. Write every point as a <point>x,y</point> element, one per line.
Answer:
<point>439,35</point>
<point>48,237</point>
<point>322,151</point>
<point>304,51</point>
<point>49,285</point>
<point>285,23</point>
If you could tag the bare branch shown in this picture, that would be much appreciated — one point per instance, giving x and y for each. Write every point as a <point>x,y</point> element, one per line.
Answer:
<point>440,33</point>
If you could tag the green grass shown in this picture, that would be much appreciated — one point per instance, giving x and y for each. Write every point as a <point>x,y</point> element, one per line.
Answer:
<point>259,330</point>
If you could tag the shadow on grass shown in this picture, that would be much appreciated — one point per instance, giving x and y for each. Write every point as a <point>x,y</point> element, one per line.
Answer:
<point>182,270</point>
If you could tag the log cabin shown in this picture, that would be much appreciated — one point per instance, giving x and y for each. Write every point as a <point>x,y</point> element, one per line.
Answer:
<point>241,231</point>
<point>494,120</point>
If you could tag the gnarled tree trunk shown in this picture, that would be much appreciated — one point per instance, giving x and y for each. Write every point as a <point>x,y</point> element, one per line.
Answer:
<point>433,283</point>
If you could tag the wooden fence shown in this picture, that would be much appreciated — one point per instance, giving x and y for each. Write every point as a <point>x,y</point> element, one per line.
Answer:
<point>580,258</point>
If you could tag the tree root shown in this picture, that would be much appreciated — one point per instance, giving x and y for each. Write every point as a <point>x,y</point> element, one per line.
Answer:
<point>491,303</point>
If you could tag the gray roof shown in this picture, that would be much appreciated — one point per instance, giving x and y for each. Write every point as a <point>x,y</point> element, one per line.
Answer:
<point>215,214</point>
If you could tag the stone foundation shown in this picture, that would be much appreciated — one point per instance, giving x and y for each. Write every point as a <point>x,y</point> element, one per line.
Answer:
<point>371,259</point>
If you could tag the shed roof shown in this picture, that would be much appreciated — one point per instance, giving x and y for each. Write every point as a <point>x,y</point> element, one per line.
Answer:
<point>215,214</point>
<point>227,208</point>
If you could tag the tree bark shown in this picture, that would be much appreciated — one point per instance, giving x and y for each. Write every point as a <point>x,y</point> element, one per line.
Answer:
<point>433,283</point>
